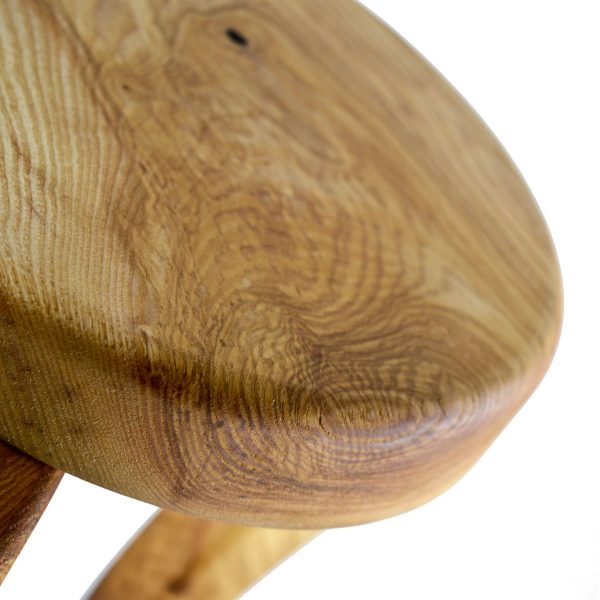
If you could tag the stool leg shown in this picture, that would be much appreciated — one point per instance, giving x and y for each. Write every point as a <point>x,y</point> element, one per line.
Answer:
<point>184,557</point>
<point>26,486</point>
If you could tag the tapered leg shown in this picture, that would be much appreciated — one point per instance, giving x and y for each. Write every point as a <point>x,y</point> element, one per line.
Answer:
<point>184,557</point>
<point>26,486</point>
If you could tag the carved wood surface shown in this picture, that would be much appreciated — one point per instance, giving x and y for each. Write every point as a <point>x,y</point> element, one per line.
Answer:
<point>259,262</point>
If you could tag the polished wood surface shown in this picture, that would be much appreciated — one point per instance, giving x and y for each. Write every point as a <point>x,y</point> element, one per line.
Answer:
<point>178,557</point>
<point>259,262</point>
<point>26,487</point>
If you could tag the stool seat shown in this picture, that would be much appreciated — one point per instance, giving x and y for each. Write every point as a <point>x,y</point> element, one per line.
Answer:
<point>259,262</point>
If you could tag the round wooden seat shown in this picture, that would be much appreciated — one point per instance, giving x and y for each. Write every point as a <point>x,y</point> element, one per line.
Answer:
<point>259,262</point>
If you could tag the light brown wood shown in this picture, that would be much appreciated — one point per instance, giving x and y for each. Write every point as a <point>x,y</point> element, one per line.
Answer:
<point>258,261</point>
<point>178,557</point>
<point>26,487</point>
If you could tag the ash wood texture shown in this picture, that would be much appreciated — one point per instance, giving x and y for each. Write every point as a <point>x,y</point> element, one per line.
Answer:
<point>26,487</point>
<point>178,557</point>
<point>259,262</point>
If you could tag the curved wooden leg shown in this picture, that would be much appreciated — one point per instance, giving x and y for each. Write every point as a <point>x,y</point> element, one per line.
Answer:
<point>184,557</point>
<point>26,486</point>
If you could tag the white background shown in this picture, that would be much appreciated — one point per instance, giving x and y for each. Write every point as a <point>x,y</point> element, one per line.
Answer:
<point>524,523</point>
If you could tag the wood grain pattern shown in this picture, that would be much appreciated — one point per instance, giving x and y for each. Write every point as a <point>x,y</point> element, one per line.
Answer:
<point>178,557</point>
<point>26,487</point>
<point>283,279</point>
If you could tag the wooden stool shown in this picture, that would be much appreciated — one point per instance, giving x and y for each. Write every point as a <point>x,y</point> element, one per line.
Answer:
<point>259,264</point>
